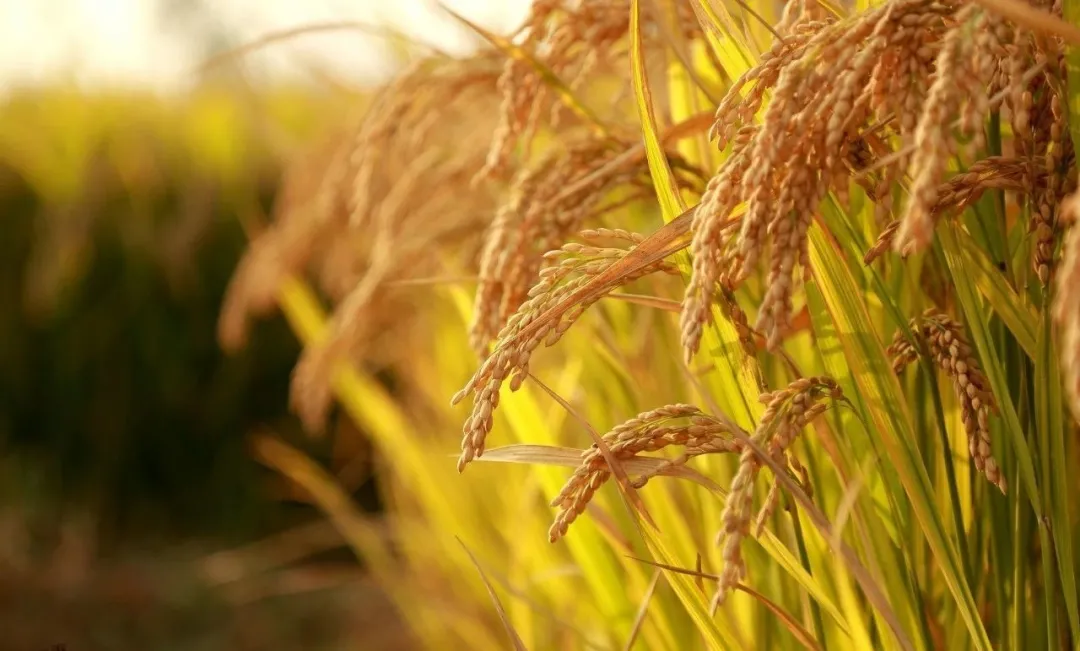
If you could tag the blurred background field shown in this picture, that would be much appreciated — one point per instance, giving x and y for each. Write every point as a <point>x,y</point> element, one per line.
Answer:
<point>134,512</point>
<point>123,424</point>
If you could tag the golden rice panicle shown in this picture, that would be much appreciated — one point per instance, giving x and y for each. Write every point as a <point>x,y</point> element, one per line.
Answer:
<point>519,88</point>
<point>710,223</point>
<point>548,202</point>
<point>510,359</point>
<point>735,109</point>
<point>1057,176</point>
<point>964,68</point>
<point>390,183</point>
<point>570,39</point>
<point>309,206</point>
<point>948,348</point>
<point>833,89</point>
<point>650,431</point>
<point>901,351</point>
<point>900,80</point>
<point>1066,306</point>
<point>965,188</point>
<point>573,39</point>
<point>797,12</point>
<point>788,411</point>
<point>412,115</point>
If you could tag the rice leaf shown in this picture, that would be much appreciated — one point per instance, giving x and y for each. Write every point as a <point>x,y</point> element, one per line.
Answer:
<point>1013,308</point>
<point>786,560</point>
<point>525,453</point>
<point>741,402</point>
<point>1050,419</point>
<point>643,610</point>
<point>789,622</point>
<point>733,53</point>
<point>667,191</point>
<point>884,408</point>
<point>977,322</point>
<point>571,458</point>
<point>851,562</point>
<point>515,639</point>
<point>717,636</point>
<point>797,631</point>
<point>327,494</point>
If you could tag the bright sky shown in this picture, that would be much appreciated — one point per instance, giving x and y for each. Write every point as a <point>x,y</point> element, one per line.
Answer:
<point>159,42</point>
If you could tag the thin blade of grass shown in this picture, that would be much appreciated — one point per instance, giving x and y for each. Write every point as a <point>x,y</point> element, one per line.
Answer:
<point>515,639</point>
<point>665,304</point>
<point>790,564</point>
<point>797,631</point>
<point>732,52</point>
<point>790,623</point>
<point>643,609</point>
<point>678,45</point>
<point>667,191</point>
<point>716,636</point>
<point>525,453</point>
<point>1050,419</point>
<point>520,595</point>
<point>671,206</point>
<point>273,38</point>
<point>327,493</point>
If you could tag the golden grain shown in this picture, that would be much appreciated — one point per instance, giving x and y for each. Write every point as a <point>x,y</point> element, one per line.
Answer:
<point>788,411</point>
<point>950,351</point>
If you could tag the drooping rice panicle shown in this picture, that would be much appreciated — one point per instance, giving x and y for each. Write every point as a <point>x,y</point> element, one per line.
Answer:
<point>650,431</point>
<point>788,411</point>
<point>950,351</point>
<point>510,358</point>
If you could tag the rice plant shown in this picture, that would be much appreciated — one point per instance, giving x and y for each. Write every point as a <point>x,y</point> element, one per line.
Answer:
<point>768,316</point>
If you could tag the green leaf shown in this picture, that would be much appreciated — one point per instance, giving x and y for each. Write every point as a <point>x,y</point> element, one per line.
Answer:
<point>511,632</point>
<point>885,410</point>
<point>737,390</point>
<point>667,192</point>
<point>978,323</point>
<point>791,565</point>
<point>1050,418</point>
<point>717,635</point>
<point>1014,309</point>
